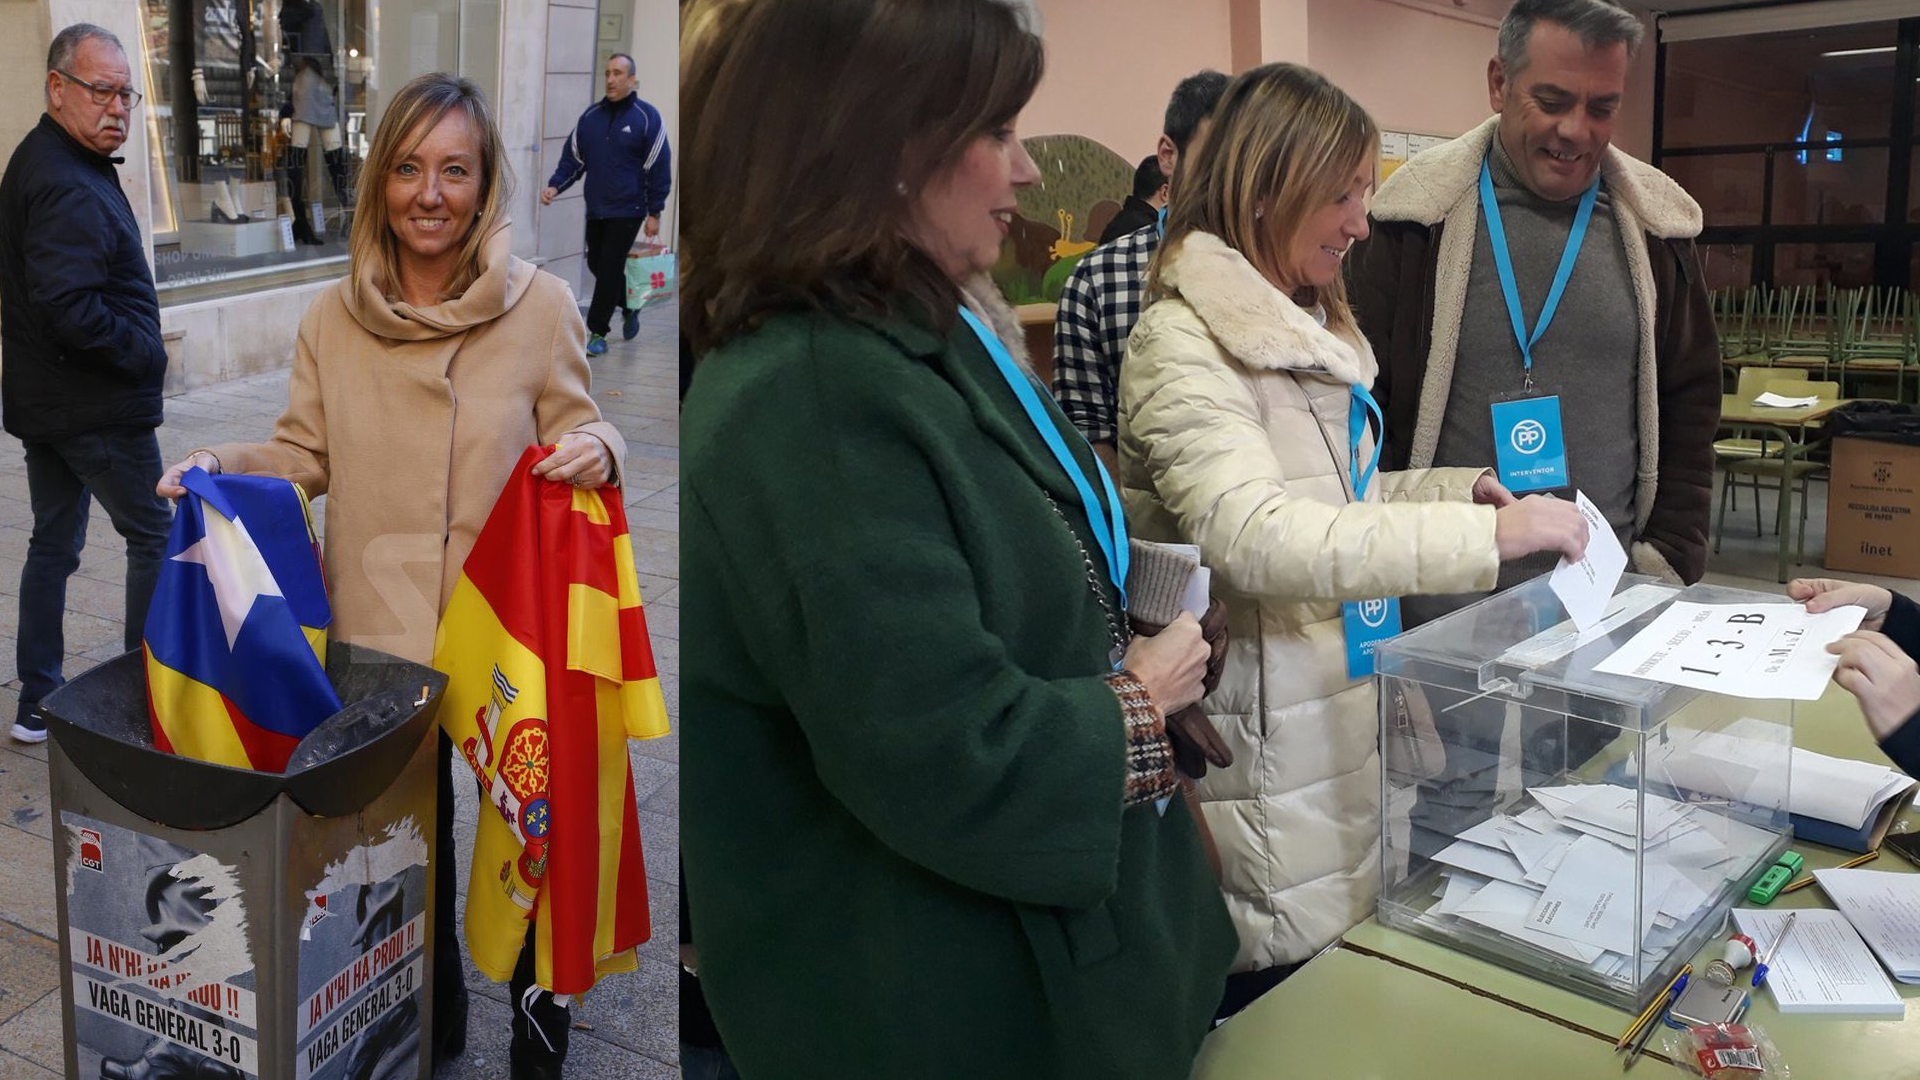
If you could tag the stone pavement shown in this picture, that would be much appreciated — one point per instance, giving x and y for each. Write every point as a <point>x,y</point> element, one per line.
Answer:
<point>626,1027</point>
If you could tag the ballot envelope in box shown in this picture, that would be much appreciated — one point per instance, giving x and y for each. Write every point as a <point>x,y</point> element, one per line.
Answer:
<point>1588,828</point>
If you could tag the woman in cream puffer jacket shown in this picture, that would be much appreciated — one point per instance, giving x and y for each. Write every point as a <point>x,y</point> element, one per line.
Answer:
<point>1234,436</point>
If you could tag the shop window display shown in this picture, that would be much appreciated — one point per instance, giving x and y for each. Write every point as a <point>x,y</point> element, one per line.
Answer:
<point>259,115</point>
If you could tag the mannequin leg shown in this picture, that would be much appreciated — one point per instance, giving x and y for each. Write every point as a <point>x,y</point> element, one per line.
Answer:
<point>337,172</point>
<point>304,136</point>
<point>297,190</point>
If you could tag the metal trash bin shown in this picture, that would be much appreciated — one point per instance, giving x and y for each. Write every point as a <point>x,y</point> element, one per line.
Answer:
<point>220,923</point>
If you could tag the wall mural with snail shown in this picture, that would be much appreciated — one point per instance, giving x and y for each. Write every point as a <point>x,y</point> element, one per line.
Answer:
<point>1082,184</point>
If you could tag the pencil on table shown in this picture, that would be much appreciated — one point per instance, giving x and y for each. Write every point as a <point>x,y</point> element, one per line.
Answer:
<point>1659,1002</point>
<point>1848,865</point>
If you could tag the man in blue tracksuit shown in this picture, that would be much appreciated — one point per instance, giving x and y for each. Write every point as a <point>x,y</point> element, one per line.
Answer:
<point>620,144</point>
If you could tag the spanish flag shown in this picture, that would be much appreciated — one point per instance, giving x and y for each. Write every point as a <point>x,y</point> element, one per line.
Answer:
<point>550,672</point>
<point>236,637</point>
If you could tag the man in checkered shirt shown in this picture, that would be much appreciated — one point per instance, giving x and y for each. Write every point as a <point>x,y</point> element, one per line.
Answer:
<point>1102,299</point>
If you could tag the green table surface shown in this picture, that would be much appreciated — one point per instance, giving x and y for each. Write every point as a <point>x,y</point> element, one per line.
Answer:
<point>1389,1004</point>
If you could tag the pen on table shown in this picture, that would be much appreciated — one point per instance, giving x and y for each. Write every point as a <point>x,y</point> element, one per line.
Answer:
<point>1659,1002</point>
<point>1760,973</point>
<point>1640,1044</point>
<point>1848,865</point>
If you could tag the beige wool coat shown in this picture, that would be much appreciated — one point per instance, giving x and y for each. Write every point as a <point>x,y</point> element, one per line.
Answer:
<point>409,420</point>
<point>1233,437</point>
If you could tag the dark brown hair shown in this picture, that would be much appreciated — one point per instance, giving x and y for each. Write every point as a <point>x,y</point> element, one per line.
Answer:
<point>814,124</point>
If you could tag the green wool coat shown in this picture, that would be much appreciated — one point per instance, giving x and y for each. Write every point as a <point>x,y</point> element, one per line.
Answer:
<point>905,844</point>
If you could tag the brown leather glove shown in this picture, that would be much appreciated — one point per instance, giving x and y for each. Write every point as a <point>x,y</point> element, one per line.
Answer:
<point>1195,742</point>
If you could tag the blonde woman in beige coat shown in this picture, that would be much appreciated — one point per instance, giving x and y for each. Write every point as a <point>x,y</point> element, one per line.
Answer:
<point>417,382</point>
<point>1235,403</point>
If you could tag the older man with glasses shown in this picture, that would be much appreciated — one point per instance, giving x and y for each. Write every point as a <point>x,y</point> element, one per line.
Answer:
<point>81,361</point>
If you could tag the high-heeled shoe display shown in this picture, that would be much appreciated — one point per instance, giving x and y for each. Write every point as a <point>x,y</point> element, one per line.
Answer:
<point>226,207</point>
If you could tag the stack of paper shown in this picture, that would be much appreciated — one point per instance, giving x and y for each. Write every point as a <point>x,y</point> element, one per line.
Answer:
<point>1885,908</point>
<point>1822,966</point>
<point>1845,792</point>
<point>1742,762</point>
<point>1557,872</point>
<point>1782,401</point>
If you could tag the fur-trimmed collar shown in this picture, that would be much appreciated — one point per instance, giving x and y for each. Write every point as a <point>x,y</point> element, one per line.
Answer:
<point>1428,187</point>
<point>1253,321</point>
<point>986,300</point>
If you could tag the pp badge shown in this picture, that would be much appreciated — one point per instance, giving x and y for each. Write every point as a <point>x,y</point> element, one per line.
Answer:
<point>1368,623</point>
<point>1528,443</point>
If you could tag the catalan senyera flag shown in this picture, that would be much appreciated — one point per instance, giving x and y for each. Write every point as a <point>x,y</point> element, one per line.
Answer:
<point>549,673</point>
<point>236,638</point>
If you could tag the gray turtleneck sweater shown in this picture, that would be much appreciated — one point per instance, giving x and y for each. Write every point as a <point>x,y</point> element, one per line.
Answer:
<point>1588,355</point>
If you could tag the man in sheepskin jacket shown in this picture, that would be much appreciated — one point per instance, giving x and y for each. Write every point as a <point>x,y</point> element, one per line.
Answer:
<point>1631,350</point>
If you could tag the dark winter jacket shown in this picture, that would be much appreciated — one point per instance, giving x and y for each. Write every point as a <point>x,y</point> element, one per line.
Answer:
<point>622,147</point>
<point>79,321</point>
<point>1408,285</point>
<point>904,824</point>
<point>1135,214</point>
<point>1903,626</point>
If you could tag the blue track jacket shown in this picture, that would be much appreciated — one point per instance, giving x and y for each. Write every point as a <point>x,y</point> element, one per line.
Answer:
<point>621,146</point>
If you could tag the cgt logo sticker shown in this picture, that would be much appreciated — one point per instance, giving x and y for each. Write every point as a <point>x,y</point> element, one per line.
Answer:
<point>90,850</point>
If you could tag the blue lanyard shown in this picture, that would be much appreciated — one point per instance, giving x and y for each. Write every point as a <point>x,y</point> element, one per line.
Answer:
<point>1160,223</point>
<point>1356,428</point>
<point>1112,539</point>
<point>1503,262</point>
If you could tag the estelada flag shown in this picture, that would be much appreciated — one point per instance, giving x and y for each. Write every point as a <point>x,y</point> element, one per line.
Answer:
<point>549,673</point>
<point>236,638</point>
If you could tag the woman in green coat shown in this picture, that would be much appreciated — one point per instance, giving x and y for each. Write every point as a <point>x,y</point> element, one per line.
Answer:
<point>929,816</point>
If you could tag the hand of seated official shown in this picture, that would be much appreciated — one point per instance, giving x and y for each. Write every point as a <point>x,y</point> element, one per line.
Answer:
<point>1882,676</point>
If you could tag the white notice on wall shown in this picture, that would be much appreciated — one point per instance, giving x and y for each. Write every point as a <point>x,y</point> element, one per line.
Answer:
<point>1745,650</point>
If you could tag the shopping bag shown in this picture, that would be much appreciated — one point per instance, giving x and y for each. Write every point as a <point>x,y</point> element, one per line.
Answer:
<point>649,278</point>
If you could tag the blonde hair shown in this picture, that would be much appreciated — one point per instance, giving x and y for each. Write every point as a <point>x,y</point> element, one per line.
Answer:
<point>410,117</point>
<point>1283,143</point>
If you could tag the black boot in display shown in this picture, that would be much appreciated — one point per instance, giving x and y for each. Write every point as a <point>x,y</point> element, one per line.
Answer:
<point>337,172</point>
<point>297,194</point>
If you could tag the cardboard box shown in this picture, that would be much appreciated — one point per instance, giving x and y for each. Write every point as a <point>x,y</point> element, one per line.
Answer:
<point>1873,508</point>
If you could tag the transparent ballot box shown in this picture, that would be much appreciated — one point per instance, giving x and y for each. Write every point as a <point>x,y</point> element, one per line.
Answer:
<point>1588,829</point>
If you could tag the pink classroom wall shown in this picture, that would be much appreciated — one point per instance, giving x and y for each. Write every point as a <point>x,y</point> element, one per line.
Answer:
<point>1413,70</point>
<point>1634,131</point>
<point>1112,63</point>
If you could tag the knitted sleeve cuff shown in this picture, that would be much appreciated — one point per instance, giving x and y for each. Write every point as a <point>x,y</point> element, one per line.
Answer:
<point>1150,774</point>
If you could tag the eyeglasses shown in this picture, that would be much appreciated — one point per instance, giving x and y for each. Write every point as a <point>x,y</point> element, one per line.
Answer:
<point>129,97</point>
